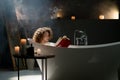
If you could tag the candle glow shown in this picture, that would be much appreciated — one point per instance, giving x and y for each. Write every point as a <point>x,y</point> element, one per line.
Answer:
<point>101,17</point>
<point>73,18</point>
<point>23,41</point>
<point>17,49</point>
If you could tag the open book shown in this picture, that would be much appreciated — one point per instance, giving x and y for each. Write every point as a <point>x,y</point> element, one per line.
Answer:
<point>63,42</point>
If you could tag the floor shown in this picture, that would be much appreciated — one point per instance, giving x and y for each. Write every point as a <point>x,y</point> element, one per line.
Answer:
<point>24,75</point>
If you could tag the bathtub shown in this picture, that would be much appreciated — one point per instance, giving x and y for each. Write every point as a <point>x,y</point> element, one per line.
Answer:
<point>91,62</point>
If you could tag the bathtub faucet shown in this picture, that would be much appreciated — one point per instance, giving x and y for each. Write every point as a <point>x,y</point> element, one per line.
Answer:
<point>80,38</point>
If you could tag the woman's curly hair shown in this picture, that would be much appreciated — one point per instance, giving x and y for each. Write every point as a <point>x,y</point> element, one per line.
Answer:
<point>38,34</point>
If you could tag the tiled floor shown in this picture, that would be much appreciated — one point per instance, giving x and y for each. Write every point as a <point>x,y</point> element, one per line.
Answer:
<point>24,75</point>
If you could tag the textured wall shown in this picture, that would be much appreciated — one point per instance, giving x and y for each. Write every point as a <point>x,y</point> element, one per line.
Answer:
<point>5,60</point>
<point>98,32</point>
<point>7,19</point>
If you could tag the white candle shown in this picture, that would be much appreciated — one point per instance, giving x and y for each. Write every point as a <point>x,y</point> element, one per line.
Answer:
<point>23,41</point>
<point>17,49</point>
<point>38,51</point>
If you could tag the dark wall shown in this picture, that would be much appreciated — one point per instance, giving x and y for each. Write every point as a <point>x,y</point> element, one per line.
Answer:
<point>98,31</point>
<point>5,15</point>
<point>5,59</point>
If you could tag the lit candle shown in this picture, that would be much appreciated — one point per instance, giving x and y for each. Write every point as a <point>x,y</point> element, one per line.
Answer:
<point>72,17</point>
<point>38,51</point>
<point>17,49</point>
<point>23,41</point>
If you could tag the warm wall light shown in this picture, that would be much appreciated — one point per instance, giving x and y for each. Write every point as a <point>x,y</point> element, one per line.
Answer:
<point>101,17</point>
<point>113,13</point>
<point>108,10</point>
<point>59,15</point>
<point>73,17</point>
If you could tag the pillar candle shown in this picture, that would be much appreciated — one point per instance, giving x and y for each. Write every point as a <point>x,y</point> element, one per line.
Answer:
<point>38,51</point>
<point>17,49</point>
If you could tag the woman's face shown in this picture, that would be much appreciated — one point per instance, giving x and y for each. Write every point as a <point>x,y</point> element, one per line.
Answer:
<point>46,37</point>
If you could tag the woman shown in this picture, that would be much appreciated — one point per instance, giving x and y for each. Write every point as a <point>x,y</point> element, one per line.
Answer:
<point>43,36</point>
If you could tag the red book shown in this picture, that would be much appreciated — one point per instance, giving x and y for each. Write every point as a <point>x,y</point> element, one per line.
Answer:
<point>63,42</point>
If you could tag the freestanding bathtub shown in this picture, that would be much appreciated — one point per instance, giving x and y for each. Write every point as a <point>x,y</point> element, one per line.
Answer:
<point>91,62</point>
